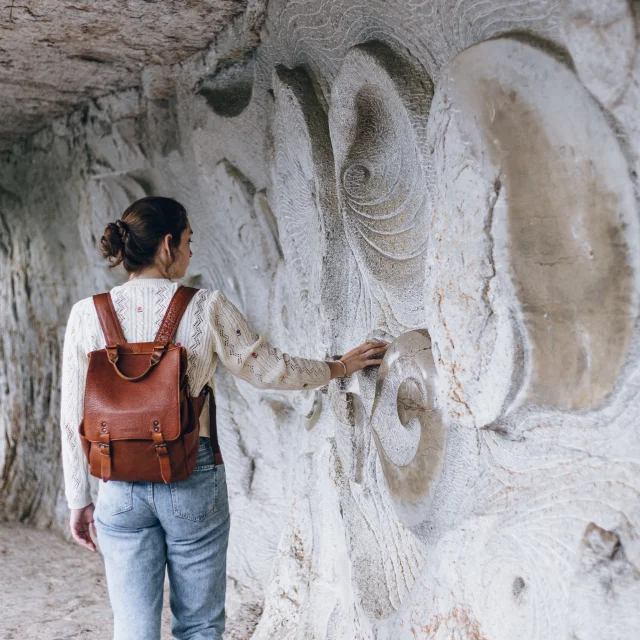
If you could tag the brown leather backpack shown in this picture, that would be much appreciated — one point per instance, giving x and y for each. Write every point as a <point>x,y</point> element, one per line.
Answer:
<point>140,422</point>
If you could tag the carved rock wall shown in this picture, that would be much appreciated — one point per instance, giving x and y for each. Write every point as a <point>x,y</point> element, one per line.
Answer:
<point>460,178</point>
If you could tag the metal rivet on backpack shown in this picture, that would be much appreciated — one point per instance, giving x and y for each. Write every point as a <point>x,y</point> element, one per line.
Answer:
<point>104,424</point>
<point>156,428</point>
<point>155,422</point>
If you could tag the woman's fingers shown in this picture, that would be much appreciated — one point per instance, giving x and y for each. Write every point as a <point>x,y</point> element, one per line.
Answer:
<point>83,539</point>
<point>360,349</point>
<point>80,531</point>
<point>369,345</point>
<point>373,350</point>
<point>362,355</point>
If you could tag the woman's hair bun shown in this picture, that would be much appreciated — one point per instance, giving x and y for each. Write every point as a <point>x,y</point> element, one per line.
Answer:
<point>112,243</point>
<point>123,230</point>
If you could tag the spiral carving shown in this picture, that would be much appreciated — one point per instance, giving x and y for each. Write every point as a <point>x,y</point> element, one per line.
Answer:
<point>379,106</point>
<point>408,427</point>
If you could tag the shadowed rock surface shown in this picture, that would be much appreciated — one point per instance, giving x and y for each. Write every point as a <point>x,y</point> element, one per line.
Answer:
<point>56,54</point>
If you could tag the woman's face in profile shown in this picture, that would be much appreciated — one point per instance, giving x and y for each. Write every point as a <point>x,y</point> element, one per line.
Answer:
<point>183,255</point>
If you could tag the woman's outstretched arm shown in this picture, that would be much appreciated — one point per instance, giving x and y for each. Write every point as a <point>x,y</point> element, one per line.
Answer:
<point>250,357</point>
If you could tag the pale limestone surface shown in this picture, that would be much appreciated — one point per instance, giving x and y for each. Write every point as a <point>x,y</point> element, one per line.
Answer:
<point>459,178</point>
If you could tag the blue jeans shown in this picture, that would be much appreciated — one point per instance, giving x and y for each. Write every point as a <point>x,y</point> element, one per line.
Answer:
<point>143,527</point>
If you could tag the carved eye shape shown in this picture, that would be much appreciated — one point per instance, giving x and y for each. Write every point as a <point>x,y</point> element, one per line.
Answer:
<point>532,261</point>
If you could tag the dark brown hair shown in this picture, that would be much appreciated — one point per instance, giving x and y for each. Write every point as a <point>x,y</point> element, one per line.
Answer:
<point>135,238</point>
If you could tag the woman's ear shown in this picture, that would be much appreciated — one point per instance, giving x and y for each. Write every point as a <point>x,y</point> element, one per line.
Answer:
<point>165,244</point>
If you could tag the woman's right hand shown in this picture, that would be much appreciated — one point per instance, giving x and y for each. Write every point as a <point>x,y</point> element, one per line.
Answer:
<point>359,358</point>
<point>80,522</point>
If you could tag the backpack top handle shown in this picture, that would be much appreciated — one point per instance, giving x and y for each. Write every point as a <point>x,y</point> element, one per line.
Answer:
<point>113,331</point>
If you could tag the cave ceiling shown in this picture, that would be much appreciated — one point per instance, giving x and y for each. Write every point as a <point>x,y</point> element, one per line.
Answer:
<point>57,54</point>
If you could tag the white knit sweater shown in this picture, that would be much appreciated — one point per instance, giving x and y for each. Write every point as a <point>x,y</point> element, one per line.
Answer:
<point>211,328</point>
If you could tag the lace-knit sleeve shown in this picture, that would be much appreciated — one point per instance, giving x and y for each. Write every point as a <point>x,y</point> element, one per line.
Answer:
<point>250,357</point>
<point>74,371</point>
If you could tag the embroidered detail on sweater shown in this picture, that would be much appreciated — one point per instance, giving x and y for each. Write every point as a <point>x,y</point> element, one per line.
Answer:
<point>196,336</point>
<point>160,307</point>
<point>226,339</point>
<point>119,298</point>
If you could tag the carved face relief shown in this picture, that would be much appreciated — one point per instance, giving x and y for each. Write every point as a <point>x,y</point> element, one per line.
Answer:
<point>532,253</point>
<point>507,227</point>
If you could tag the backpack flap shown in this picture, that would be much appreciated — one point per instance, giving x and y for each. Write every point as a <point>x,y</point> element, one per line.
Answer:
<point>128,410</point>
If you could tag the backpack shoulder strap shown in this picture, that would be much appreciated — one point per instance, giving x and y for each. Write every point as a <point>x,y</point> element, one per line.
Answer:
<point>175,311</point>
<point>108,319</point>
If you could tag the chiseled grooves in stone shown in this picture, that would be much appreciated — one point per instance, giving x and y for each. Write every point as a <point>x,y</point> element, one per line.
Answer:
<point>378,114</point>
<point>303,175</point>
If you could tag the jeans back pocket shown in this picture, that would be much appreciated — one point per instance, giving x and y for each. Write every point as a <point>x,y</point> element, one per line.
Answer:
<point>196,497</point>
<point>115,496</point>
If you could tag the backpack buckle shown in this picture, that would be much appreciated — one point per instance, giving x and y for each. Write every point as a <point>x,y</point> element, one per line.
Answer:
<point>112,353</point>
<point>104,449</point>
<point>158,351</point>
<point>163,455</point>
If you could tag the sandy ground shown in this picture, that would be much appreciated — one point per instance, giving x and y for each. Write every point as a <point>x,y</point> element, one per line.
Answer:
<point>51,589</point>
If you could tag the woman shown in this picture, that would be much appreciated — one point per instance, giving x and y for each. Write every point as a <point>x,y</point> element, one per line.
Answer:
<point>143,527</point>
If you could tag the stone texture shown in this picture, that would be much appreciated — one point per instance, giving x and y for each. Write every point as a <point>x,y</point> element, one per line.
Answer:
<point>460,178</point>
<point>59,53</point>
<point>607,584</point>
